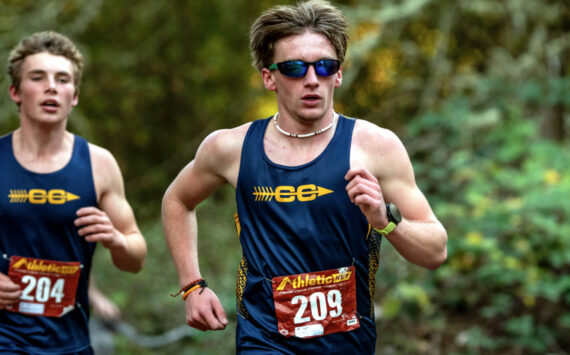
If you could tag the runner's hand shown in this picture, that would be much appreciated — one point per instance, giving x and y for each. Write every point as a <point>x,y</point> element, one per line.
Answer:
<point>204,310</point>
<point>102,305</point>
<point>365,192</point>
<point>9,291</point>
<point>96,226</point>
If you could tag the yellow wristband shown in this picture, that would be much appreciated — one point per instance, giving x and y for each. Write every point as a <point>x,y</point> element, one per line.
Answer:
<point>193,288</point>
<point>386,230</point>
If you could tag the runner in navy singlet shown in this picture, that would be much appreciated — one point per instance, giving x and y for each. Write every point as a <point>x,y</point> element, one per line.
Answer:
<point>315,193</point>
<point>59,197</point>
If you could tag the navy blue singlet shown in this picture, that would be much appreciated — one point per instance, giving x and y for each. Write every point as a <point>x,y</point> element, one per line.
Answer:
<point>37,226</point>
<point>286,230</point>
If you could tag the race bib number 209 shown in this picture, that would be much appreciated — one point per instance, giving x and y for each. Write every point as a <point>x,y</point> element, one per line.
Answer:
<point>48,287</point>
<point>315,304</point>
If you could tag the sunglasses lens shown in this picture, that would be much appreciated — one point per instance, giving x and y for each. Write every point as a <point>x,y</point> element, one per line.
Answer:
<point>293,68</point>
<point>298,68</point>
<point>327,67</point>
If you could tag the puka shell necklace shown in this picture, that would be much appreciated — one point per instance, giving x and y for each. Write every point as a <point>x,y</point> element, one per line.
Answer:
<point>306,135</point>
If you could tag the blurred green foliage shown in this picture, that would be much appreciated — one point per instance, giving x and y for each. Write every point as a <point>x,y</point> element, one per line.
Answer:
<point>503,192</point>
<point>478,90</point>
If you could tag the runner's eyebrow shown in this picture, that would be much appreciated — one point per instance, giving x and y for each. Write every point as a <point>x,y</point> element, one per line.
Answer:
<point>41,71</point>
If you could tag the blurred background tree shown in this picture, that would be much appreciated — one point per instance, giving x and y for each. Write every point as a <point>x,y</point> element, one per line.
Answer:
<point>478,90</point>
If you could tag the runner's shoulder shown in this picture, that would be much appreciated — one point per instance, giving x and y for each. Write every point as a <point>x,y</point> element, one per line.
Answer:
<point>371,137</point>
<point>225,143</point>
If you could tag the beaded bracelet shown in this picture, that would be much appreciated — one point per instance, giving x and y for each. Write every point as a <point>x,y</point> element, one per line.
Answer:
<point>187,287</point>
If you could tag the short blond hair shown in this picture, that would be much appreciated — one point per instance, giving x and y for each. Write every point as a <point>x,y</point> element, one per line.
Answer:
<point>47,41</point>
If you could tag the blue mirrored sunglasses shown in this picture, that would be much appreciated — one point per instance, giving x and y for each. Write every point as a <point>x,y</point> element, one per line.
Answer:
<point>298,68</point>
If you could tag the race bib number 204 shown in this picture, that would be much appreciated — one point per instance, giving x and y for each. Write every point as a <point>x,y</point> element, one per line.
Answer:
<point>48,287</point>
<point>315,304</point>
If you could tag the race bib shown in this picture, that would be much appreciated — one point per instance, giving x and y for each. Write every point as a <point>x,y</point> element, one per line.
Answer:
<point>48,287</point>
<point>315,304</point>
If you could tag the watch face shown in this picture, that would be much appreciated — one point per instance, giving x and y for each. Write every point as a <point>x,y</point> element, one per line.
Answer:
<point>394,212</point>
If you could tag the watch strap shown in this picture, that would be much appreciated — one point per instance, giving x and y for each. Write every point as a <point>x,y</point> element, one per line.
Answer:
<point>386,230</point>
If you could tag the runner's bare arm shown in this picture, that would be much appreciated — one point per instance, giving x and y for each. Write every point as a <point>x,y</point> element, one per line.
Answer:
<point>214,165</point>
<point>381,173</point>
<point>113,224</point>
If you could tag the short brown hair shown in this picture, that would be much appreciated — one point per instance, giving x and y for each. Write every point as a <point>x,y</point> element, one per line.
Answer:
<point>47,41</point>
<point>278,22</point>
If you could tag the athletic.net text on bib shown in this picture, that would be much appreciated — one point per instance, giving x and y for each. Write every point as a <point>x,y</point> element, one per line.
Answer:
<point>315,304</point>
<point>48,287</point>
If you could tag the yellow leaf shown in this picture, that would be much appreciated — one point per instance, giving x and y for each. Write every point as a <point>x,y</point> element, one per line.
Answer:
<point>529,301</point>
<point>474,238</point>
<point>551,177</point>
<point>512,263</point>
